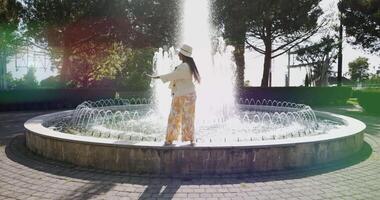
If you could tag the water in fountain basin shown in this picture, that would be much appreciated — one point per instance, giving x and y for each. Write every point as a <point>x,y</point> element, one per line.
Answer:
<point>136,122</point>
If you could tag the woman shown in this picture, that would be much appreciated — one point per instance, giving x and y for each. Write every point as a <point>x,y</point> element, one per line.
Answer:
<point>183,92</point>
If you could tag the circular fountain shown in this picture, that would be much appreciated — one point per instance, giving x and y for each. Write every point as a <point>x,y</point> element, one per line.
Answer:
<point>127,135</point>
<point>248,136</point>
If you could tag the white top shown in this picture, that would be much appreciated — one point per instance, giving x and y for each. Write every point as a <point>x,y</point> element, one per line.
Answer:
<point>181,80</point>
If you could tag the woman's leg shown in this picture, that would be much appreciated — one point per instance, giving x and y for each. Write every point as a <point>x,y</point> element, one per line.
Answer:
<point>174,120</point>
<point>188,116</point>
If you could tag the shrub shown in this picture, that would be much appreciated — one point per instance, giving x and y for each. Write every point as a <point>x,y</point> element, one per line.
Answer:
<point>34,99</point>
<point>304,95</point>
<point>52,82</point>
<point>369,100</point>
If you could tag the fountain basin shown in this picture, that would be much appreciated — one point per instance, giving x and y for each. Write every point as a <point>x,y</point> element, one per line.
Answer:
<point>202,159</point>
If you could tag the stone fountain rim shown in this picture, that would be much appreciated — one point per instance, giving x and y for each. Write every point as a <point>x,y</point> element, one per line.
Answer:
<point>351,127</point>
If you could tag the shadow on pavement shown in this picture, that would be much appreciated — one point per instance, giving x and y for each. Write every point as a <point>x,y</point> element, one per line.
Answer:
<point>17,151</point>
<point>102,181</point>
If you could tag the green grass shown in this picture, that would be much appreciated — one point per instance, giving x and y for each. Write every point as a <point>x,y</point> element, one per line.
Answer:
<point>353,101</point>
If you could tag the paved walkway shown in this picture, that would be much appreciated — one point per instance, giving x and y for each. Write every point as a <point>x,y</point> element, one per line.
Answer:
<point>27,176</point>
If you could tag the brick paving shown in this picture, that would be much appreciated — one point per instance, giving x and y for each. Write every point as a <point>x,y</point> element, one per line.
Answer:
<point>24,175</point>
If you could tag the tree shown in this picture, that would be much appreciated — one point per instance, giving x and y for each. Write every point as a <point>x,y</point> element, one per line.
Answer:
<point>10,81</point>
<point>10,38</point>
<point>132,75</point>
<point>320,56</point>
<point>97,61</point>
<point>361,19</point>
<point>157,20</point>
<point>229,16</point>
<point>275,26</point>
<point>358,69</point>
<point>374,80</point>
<point>28,81</point>
<point>70,26</point>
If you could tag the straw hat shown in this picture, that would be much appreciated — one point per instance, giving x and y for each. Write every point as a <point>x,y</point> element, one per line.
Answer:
<point>186,50</point>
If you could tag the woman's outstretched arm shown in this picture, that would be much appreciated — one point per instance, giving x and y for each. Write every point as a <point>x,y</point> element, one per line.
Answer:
<point>182,72</point>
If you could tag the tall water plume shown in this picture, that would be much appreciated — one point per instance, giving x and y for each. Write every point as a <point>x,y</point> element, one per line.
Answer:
<point>215,94</point>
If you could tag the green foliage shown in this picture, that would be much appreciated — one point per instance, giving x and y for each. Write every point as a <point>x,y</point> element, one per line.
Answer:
<point>118,65</point>
<point>373,80</point>
<point>229,16</point>
<point>76,32</point>
<point>112,64</point>
<point>358,69</point>
<point>157,20</point>
<point>320,56</point>
<point>369,100</point>
<point>96,62</point>
<point>304,95</point>
<point>135,22</point>
<point>284,20</point>
<point>275,26</point>
<point>50,98</point>
<point>270,27</point>
<point>132,75</point>
<point>10,38</point>
<point>361,19</point>
<point>28,81</point>
<point>10,81</point>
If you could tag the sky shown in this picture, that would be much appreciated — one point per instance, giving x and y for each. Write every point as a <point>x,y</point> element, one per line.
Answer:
<point>31,57</point>
<point>253,60</point>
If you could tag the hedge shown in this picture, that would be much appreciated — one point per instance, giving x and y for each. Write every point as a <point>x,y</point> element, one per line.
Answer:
<point>36,99</point>
<point>69,98</point>
<point>304,95</point>
<point>369,100</point>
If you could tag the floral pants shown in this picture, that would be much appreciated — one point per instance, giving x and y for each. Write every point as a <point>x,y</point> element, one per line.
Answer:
<point>181,117</point>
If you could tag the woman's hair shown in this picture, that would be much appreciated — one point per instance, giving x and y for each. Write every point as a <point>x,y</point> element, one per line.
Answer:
<point>193,67</point>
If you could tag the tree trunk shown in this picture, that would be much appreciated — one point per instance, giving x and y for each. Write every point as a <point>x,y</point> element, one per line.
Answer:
<point>3,70</point>
<point>268,52</point>
<point>65,69</point>
<point>65,74</point>
<point>267,63</point>
<point>240,64</point>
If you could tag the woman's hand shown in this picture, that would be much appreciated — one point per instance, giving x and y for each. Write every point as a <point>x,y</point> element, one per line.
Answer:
<point>152,76</point>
